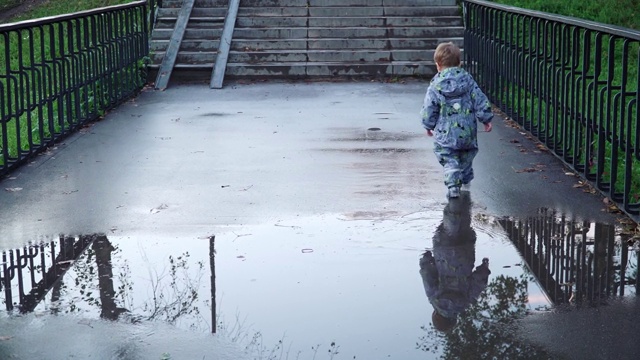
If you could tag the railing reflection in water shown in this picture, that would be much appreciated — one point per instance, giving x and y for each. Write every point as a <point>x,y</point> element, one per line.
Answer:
<point>101,282</point>
<point>575,261</point>
<point>27,274</point>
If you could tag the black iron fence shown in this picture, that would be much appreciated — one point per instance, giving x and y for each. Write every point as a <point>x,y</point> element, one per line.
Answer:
<point>575,261</point>
<point>571,83</point>
<point>28,274</point>
<point>60,72</point>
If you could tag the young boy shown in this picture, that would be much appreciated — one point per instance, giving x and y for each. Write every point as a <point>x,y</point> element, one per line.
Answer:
<point>451,107</point>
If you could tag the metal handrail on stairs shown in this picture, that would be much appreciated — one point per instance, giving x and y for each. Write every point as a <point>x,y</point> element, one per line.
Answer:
<point>217,76</point>
<point>169,59</point>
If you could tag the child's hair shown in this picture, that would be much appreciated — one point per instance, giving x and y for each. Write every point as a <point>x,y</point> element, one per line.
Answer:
<point>447,55</point>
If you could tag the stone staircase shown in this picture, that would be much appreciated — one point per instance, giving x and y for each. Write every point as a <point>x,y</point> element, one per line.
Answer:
<point>199,46</point>
<point>313,38</point>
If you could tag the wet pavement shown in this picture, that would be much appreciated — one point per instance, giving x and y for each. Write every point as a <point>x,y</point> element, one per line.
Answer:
<point>306,221</point>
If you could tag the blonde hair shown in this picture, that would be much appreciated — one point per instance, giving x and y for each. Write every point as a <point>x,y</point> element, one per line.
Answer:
<point>447,55</point>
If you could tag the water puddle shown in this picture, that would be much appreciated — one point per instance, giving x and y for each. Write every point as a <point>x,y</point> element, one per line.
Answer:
<point>366,285</point>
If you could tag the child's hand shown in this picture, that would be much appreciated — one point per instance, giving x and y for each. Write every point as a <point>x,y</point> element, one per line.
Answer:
<point>488,127</point>
<point>429,132</point>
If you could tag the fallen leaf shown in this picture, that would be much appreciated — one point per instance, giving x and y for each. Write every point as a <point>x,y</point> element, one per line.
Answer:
<point>570,174</point>
<point>514,141</point>
<point>159,208</point>
<point>526,170</point>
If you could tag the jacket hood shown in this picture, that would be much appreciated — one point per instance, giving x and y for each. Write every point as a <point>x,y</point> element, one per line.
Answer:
<point>453,82</point>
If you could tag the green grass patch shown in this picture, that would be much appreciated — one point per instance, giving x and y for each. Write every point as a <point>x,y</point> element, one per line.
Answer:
<point>625,13</point>
<point>8,4</point>
<point>58,7</point>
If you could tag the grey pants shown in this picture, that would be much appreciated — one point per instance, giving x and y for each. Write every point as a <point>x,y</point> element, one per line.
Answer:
<point>457,164</point>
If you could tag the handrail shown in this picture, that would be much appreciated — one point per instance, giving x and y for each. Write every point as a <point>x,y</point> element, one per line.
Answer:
<point>170,56</point>
<point>220,66</point>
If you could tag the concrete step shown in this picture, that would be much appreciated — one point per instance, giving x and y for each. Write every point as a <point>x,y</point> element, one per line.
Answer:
<point>312,3</point>
<point>369,11</point>
<point>195,12</point>
<point>343,32</point>
<point>194,22</point>
<point>188,57</point>
<point>269,21</point>
<point>353,56</point>
<point>196,4</point>
<point>273,3</point>
<point>340,44</point>
<point>420,2</point>
<point>272,11</point>
<point>186,72</point>
<point>378,22</point>
<point>186,45</point>
<point>385,21</point>
<point>329,69</point>
<point>396,32</point>
<point>189,34</point>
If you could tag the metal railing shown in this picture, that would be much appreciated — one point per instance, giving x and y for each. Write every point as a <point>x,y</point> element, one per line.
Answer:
<point>28,274</point>
<point>58,73</point>
<point>575,262</point>
<point>570,82</point>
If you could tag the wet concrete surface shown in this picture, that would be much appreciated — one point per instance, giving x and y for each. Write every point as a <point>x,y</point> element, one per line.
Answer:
<point>320,200</point>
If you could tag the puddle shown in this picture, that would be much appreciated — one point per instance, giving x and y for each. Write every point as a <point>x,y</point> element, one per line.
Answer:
<point>362,285</point>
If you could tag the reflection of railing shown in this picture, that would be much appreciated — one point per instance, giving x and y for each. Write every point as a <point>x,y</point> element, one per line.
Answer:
<point>573,261</point>
<point>35,269</point>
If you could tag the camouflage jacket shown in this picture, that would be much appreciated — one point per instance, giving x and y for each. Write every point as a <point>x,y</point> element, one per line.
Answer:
<point>451,107</point>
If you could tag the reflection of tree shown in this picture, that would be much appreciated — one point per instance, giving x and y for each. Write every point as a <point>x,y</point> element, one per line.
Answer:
<point>103,249</point>
<point>177,298</point>
<point>484,329</point>
<point>172,292</point>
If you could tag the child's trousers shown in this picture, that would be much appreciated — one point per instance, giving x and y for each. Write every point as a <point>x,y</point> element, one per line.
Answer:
<point>458,165</point>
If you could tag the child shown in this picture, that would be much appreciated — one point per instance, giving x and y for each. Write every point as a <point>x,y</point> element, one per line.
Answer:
<point>451,107</point>
<point>447,272</point>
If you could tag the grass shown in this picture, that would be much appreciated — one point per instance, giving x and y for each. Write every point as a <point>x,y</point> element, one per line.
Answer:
<point>625,13</point>
<point>57,7</point>
<point>8,4</point>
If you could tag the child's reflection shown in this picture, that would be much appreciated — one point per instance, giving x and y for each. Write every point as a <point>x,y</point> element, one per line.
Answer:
<point>447,271</point>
